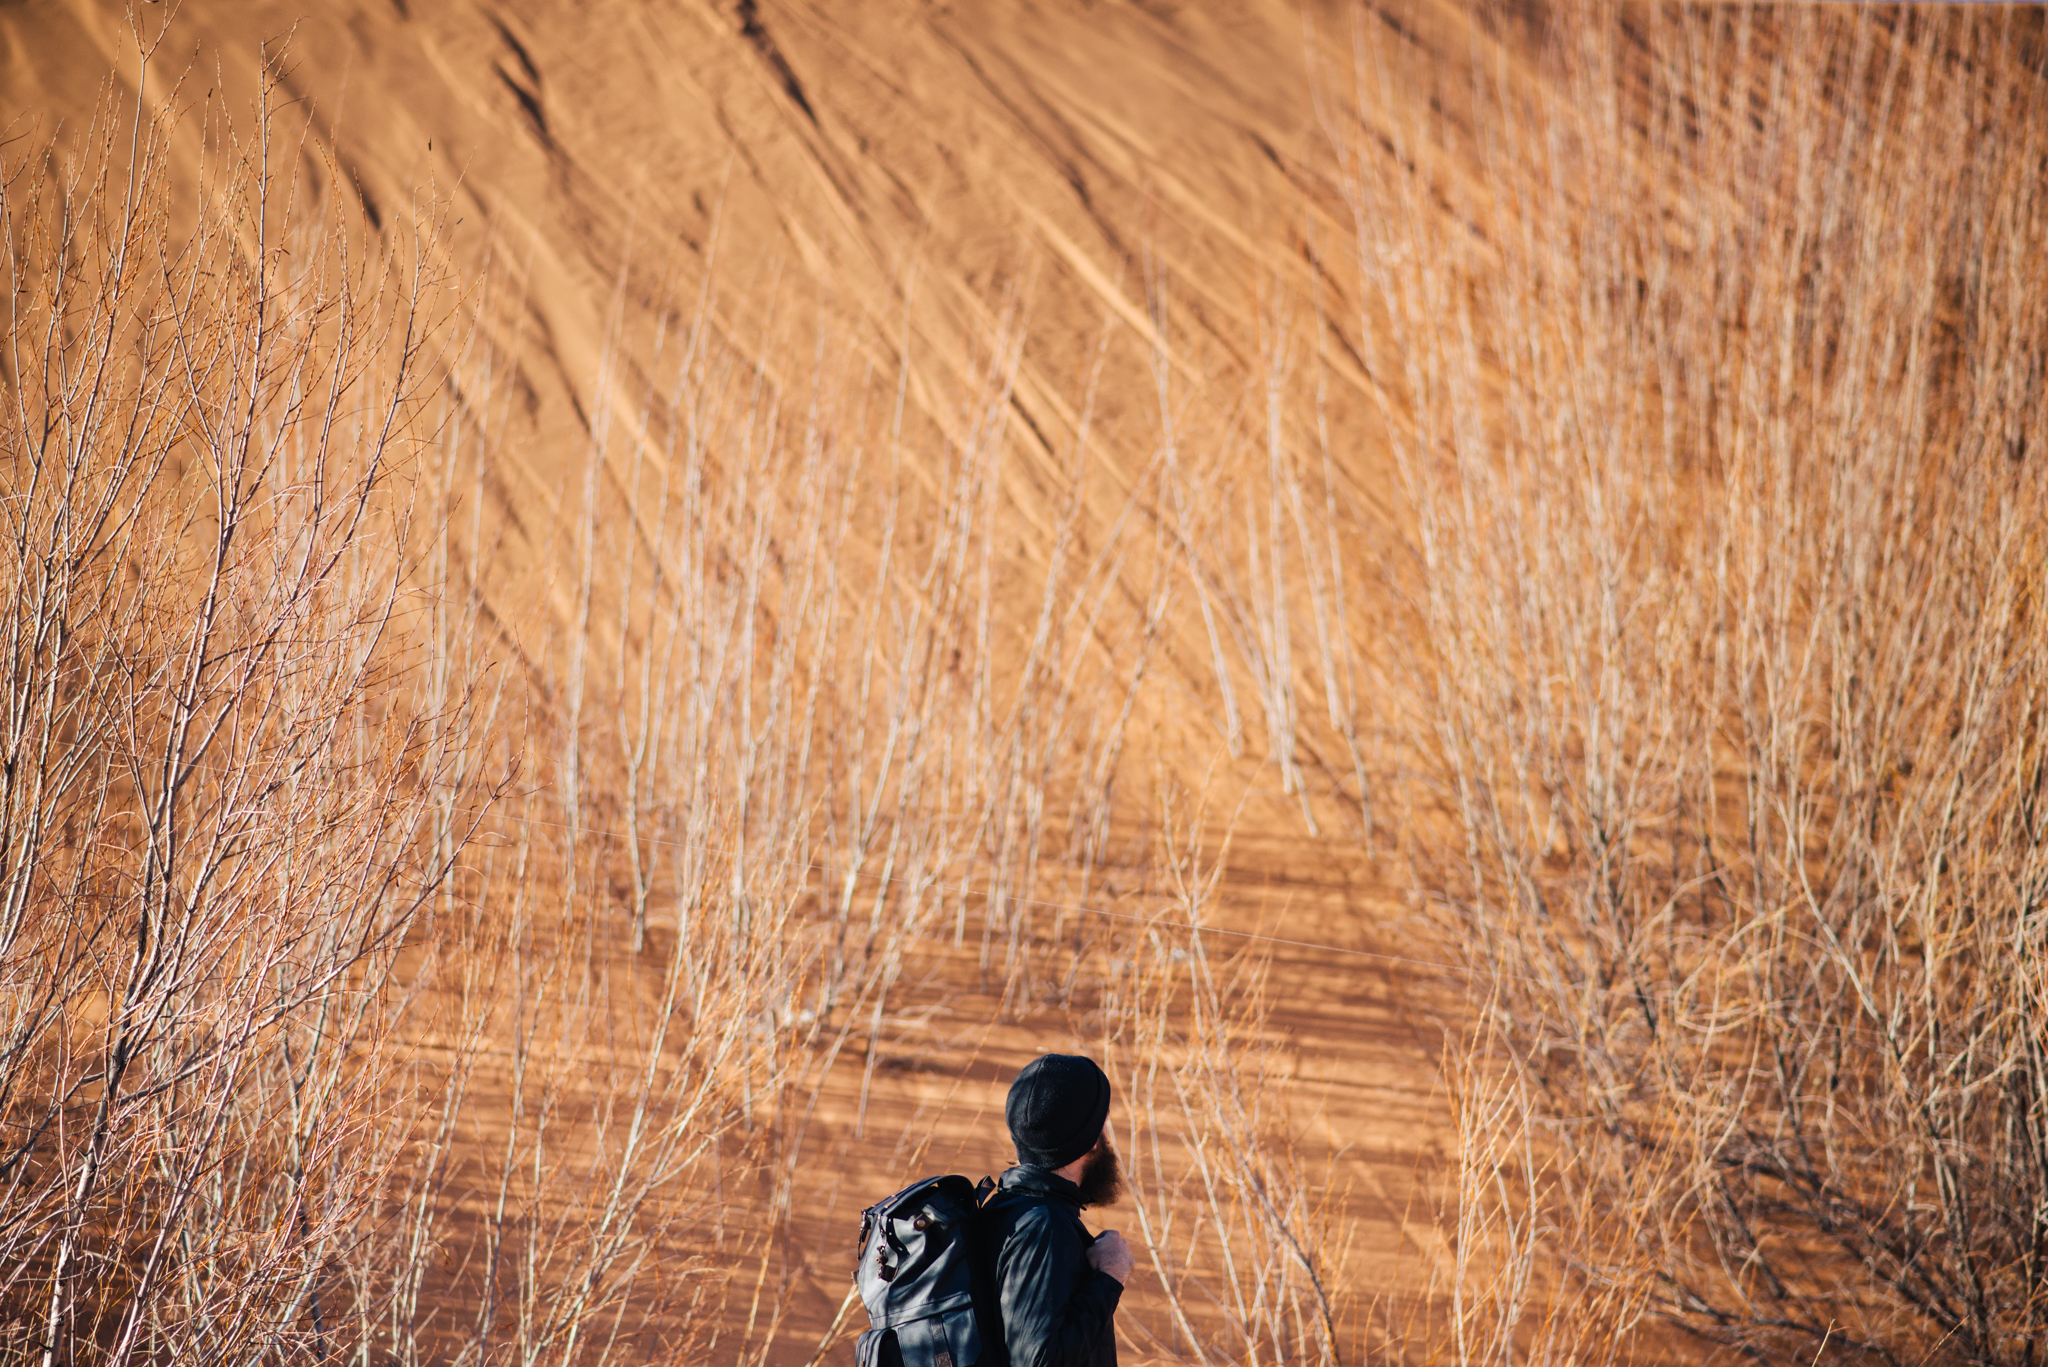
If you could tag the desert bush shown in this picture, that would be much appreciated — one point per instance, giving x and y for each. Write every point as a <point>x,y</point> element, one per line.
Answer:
<point>815,741</point>
<point>216,819</point>
<point>1721,427</point>
<point>1241,1237</point>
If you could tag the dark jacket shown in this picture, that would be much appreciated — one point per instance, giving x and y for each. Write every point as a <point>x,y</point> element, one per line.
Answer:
<point>1057,1309</point>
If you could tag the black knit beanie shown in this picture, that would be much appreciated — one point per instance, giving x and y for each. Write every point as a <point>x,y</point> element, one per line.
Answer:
<point>1056,1109</point>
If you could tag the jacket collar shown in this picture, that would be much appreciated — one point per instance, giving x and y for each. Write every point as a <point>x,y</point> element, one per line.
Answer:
<point>1040,1182</point>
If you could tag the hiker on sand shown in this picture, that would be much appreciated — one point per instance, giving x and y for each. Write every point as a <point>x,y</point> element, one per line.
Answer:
<point>1058,1286</point>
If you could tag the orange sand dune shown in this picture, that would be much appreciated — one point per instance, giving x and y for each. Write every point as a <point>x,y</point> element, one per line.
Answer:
<point>1011,525</point>
<point>902,184</point>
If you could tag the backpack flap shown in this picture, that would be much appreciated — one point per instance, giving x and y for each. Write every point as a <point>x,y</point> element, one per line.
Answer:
<point>918,1271</point>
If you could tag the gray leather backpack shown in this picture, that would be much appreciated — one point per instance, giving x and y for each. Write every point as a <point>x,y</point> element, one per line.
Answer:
<point>927,1280</point>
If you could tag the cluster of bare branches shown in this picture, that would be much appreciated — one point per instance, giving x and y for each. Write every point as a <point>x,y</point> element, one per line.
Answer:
<point>1248,1252</point>
<point>792,759</point>
<point>1723,436</point>
<point>214,827</point>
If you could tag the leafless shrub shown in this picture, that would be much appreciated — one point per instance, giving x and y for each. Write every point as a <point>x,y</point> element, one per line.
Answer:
<point>1274,548</point>
<point>215,824</point>
<point>1241,1238</point>
<point>1721,432</point>
<point>782,760</point>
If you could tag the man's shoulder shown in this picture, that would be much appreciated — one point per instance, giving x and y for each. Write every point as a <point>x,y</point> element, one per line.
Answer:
<point>1031,1215</point>
<point>1036,1212</point>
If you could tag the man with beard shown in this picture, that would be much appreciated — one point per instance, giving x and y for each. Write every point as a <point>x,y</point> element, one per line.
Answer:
<point>1057,1285</point>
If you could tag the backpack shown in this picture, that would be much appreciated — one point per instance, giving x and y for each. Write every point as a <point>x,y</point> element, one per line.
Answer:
<point>927,1279</point>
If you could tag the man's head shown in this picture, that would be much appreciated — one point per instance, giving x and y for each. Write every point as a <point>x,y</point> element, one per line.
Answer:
<point>1057,1108</point>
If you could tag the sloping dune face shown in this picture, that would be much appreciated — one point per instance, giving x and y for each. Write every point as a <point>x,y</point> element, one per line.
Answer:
<point>696,583</point>
<point>1052,203</point>
<point>909,180</point>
